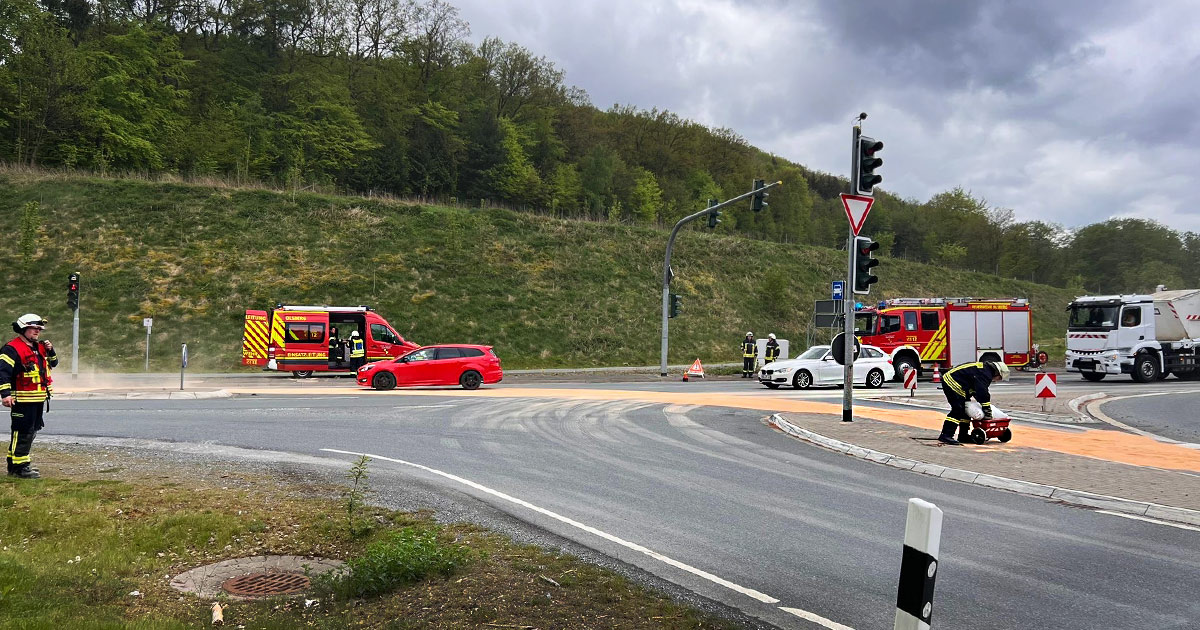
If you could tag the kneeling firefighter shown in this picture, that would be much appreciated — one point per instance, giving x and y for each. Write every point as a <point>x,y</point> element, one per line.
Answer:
<point>960,384</point>
<point>25,364</point>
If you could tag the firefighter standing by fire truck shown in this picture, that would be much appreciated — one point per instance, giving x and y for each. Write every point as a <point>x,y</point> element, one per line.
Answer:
<point>25,364</point>
<point>358,352</point>
<point>749,355</point>
<point>963,382</point>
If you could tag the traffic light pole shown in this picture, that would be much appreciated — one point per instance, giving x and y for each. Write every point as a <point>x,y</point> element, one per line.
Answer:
<point>666,277</point>
<point>848,315</point>
<point>75,345</point>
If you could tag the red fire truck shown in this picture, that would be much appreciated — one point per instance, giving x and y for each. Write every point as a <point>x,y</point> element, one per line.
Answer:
<point>307,339</point>
<point>924,332</point>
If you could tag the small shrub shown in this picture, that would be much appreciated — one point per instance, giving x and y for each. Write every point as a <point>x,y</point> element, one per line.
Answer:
<point>403,557</point>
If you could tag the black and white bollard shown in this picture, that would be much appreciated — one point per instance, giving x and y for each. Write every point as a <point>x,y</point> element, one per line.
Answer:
<point>918,567</point>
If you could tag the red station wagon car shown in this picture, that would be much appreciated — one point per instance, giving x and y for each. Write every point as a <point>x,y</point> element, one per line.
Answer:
<point>447,364</point>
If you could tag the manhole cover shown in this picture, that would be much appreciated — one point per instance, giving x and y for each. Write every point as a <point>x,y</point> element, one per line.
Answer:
<point>266,584</point>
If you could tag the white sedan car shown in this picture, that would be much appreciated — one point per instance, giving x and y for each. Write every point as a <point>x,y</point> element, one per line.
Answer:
<point>816,366</point>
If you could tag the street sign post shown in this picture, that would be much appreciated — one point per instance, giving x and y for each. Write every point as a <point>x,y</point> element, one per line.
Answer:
<point>182,366</point>
<point>148,322</point>
<point>838,289</point>
<point>1045,385</point>
<point>857,208</point>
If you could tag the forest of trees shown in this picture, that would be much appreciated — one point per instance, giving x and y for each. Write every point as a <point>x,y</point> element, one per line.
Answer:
<point>390,97</point>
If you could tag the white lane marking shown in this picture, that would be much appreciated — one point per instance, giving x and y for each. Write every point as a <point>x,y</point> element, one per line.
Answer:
<point>424,407</point>
<point>1150,520</point>
<point>762,597</point>
<point>804,614</point>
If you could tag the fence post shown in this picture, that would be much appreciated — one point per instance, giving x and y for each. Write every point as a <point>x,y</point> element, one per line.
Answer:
<point>918,566</point>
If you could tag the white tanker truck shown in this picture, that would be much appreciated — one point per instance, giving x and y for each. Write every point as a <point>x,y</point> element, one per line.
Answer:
<point>1146,336</point>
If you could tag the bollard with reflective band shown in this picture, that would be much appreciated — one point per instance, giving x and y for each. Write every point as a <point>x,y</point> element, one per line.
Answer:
<point>918,566</point>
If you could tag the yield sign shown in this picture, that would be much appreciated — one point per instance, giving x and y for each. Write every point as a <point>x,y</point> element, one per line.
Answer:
<point>1045,385</point>
<point>857,207</point>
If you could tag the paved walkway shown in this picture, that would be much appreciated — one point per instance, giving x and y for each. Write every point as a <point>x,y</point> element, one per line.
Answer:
<point>1020,459</point>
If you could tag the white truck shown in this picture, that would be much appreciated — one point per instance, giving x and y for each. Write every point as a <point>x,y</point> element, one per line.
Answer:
<point>1146,336</point>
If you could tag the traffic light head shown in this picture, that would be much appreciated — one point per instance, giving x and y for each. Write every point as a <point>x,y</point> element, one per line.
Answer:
<point>865,151</point>
<point>676,305</point>
<point>864,262</point>
<point>73,291</point>
<point>758,202</point>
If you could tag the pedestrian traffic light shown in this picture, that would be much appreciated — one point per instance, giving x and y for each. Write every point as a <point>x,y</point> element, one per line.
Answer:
<point>864,261</point>
<point>73,291</point>
<point>676,304</point>
<point>713,215</point>
<point>758,202</point>
<point>865,149</point>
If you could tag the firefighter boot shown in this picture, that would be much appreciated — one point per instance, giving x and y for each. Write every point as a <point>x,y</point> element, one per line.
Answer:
<point>24,472</point>
<point>964,431</point>
<point>947,436</point>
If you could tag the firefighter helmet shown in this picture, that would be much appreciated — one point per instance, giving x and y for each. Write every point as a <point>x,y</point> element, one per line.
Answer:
<point>354,333</point>
<point>771,336</point>
<point>1000,369</point>
<point>28,320</point>
<point>749,334</point>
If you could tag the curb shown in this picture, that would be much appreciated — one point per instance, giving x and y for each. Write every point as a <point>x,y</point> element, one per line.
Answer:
<point>159,395</point>
<point>1056,493</point>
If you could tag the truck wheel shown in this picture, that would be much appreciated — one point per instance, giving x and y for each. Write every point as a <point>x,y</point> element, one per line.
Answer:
<point>302,373</point>
<point>904,363</point>
<point>384,381</point>
<point>1145,368</point>
<point>470,380</point>
<point>1094,377</point>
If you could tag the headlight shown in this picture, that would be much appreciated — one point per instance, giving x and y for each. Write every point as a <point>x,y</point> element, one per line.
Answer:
<point>366,368</point>
<point>783,370</point>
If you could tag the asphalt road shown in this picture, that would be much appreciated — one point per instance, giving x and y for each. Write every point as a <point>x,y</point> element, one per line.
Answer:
<point>739,513</point>
<point>1174,415</point>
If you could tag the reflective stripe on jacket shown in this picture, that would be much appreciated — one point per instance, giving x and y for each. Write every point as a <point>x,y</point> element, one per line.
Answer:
<point>357,350</point>
<point>749,349</point>
<point>970,380</point>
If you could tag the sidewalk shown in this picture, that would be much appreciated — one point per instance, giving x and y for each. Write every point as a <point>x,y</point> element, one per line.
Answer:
<point>1019,460</point>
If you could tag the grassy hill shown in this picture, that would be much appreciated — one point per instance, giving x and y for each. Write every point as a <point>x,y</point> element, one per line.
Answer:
<point>546,292</point>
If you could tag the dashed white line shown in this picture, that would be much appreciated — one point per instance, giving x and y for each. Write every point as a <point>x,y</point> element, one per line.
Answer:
<point>804,614</point>
<point>1150,520</point>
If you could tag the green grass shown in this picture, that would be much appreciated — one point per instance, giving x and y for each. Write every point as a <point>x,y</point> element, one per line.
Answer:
<point>546,292</point>
<point>75,545</point>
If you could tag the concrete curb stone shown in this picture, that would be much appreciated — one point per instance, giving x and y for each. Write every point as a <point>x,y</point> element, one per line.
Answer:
<point>1054,493</point>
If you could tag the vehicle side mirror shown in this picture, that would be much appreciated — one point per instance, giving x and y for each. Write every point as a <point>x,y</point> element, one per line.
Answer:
<point>828,357</point>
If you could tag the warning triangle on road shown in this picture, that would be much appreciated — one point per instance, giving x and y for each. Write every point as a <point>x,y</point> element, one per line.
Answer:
<point>696,369</point>
<point>857,208</point>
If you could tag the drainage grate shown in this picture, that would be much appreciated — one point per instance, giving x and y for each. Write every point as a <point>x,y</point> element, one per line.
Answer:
<point>266,584</point>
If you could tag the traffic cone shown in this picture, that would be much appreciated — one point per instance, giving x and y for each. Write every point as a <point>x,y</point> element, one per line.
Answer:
<point>685,376</point>
<point>937,377</point>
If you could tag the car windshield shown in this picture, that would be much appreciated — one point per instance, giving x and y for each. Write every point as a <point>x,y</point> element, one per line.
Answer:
<point>815,352</point>
<point>1092,317</point>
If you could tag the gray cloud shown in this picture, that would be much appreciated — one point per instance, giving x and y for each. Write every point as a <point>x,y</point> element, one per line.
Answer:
<point>1069,111</point>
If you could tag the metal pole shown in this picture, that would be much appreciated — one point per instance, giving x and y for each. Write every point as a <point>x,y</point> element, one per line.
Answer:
<point>848,311</point>
<point>75,345</point>
<point>147,348</point>
<point>182,366</point>
<point>666,283</point>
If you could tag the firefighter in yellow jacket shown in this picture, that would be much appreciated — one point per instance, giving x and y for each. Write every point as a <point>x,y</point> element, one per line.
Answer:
<point>25,386</point>
<point>749,356</point>
<point>358,352</point>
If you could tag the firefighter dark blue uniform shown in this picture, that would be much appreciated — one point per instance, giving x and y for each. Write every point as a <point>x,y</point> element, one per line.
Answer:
<point>358,352</point>
<point>749,355</point>
<point>772,351</point>
<point>960,384</point>
<point>25,386</point>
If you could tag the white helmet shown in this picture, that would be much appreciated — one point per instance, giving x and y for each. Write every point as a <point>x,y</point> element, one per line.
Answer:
<point>29,320</point>
<point>1000,369</point>
<point>749,334</point>
<point>354,333</point>
<point>771,336</point>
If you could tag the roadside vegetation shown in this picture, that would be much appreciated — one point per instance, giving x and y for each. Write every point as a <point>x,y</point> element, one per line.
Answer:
<point>82,549</point>
<point>545,291</point>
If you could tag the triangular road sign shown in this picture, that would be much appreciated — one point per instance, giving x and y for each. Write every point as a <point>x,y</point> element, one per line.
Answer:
<point>696,369</point>
<point>857,207</point>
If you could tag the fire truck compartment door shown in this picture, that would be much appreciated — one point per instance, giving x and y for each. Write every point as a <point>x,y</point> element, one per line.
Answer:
<point>962,337</point>
<point>989,330</point>
<point>1016,332</point>
<point>254,339</point>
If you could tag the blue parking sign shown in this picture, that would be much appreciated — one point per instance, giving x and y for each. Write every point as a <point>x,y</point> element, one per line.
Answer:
<point>838,286</point>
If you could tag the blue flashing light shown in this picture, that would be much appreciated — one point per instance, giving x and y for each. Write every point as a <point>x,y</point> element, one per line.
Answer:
<point>882,304</point>
<point>858,306</point>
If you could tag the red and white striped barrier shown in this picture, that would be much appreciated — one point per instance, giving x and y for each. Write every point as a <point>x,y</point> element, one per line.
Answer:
<point>910,381</point>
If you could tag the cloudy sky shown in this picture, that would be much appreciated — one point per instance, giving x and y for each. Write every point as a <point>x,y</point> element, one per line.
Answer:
<point>1071,111</point>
